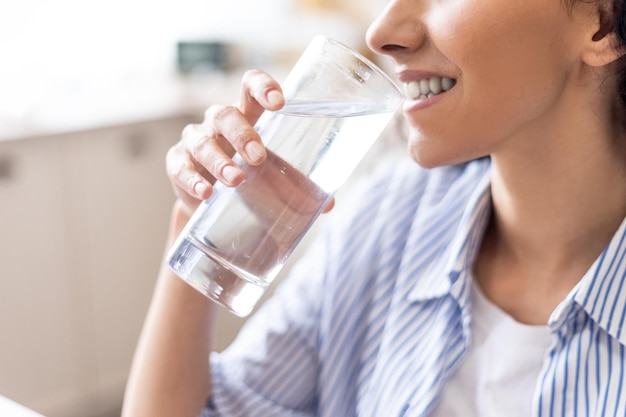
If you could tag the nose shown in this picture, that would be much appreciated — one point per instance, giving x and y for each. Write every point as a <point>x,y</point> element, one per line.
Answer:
<point>398,30</point>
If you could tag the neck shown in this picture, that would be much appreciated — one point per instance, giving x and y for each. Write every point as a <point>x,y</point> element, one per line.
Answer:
<point>554,211</point>
<point>560,206</point>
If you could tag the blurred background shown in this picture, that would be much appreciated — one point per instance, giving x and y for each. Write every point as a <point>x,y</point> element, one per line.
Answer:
<point>92,94</point>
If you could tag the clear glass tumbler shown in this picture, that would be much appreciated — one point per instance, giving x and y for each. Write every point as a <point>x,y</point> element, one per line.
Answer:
<point>337,104</point>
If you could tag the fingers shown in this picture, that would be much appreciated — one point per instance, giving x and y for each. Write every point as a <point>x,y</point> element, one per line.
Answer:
<point>188,182</point>
<point>228,127</point>
<point>205,150</point>
<point>260,92</point>
<point>330,206</point>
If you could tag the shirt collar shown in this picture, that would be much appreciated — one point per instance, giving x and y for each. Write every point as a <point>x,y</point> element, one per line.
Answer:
<point>601,293</point>
<point>449,272</point>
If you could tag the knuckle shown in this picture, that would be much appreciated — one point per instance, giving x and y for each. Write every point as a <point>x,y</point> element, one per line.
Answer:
<point>251,74</point>
<point>197,147</point>
<point>188,130</point>
<point>217,112</point>
<point>241,135</point>
<point>218,165</point>
<point>179,170</point>
<point>172,155</point>
<point>191,181</point>
<point>208,113</point>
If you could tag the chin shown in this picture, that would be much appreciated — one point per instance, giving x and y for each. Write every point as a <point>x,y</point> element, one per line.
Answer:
<point>427,157</point>
<point>431,153</point>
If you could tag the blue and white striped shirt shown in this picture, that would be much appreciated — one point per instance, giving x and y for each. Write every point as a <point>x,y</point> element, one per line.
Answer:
<point>377,317</point>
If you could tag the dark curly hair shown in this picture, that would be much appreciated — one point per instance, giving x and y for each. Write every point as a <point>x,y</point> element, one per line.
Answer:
<point>619,25</point>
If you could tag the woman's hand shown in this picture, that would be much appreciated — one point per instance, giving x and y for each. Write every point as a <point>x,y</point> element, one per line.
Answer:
<point>204,153</point>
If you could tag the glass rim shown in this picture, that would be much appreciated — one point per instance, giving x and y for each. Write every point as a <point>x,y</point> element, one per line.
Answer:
<point>369,63</point>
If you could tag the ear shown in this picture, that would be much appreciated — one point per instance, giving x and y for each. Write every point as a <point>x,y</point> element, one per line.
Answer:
<point>602,47</point>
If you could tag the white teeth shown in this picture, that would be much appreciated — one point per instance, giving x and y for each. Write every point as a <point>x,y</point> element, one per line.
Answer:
<point>428,87</point>
<point>435,85</point>
<point>412,89</point>
<point>447,83</point>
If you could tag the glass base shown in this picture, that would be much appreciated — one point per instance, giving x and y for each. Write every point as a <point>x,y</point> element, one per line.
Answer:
<point>214,279</point>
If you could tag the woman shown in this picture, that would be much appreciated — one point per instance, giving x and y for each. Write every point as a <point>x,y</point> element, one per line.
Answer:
<point>459,285</point>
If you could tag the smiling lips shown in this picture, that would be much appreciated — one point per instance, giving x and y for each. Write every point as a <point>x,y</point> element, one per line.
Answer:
<point>428,87</point>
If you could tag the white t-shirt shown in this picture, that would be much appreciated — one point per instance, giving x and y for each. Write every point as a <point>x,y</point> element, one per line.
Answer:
<point>499,373</point>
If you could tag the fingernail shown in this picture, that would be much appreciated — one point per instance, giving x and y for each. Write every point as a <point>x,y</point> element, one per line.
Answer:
<point>255,152</point>
<point>230,173</point>
<point>200,188</point>
<point>274,98</point>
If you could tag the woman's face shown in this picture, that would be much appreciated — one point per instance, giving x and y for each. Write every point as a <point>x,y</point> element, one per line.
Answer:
<point>504,69</point>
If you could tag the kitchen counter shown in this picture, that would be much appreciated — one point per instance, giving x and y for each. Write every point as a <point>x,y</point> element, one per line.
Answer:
<point>10,408</point>
<point>72,108</point>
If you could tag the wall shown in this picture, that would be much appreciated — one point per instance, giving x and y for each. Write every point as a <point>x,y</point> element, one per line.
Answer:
<point>62,46</point>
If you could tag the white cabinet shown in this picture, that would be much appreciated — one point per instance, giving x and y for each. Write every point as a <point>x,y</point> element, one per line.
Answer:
<point>124,201</point>
<point>83,219</point>
<point>37,344</point>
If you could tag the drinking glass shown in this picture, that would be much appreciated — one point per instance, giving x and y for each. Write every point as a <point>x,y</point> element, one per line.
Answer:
<point>337,103</point>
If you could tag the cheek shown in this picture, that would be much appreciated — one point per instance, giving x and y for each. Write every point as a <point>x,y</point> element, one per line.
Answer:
<point>499,42</point>
<point>501,89</point>
<point>513,61</point>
